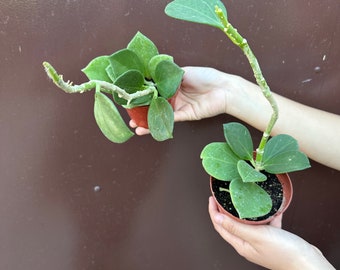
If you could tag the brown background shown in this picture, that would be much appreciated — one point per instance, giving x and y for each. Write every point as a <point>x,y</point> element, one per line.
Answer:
<point>151,211</point>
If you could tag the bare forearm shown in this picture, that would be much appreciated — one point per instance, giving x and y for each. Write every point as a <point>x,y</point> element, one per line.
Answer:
<point>313,260</point>
<point>316,131</point>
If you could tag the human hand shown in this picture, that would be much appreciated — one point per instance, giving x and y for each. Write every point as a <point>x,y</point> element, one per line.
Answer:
<point>202,94</point>
<point>267,245</point>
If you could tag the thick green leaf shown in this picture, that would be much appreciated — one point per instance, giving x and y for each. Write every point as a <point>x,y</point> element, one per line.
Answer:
<point>96,69</point>
<point>220,162</point>
<point>124,60</point>
<point>131,81</point>
<point>239,140</point>
<point>279,144</point>
<point>248,173</point>
<point>144,48</point>
<point>109,72</point>
<point>109,120</point>
<point>282,155</point>
<point>155,61</point>
<point>287,162</point>
<point>198,11</point>
<point>141,101</point>
<point>160,119</point>
<point>168,77</point>
<point>249,199</point>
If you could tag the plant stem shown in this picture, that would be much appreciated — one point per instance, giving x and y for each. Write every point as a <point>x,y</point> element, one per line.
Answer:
<point>241,42</point>
<point>106,87</point>
<point>224,189</point>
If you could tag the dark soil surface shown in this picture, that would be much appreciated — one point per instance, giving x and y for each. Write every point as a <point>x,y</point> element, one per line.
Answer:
<point>272,186</point>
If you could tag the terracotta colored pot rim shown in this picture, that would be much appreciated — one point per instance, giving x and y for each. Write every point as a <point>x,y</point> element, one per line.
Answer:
<point>140,114</point>
<point>287,188</point>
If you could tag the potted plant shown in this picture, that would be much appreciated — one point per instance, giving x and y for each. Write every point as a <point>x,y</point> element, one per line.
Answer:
<point>242,179</point>
<point>139,79</point>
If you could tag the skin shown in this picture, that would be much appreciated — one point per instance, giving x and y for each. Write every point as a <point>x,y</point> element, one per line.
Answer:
<point>268,245</point>
<point>206,92</point>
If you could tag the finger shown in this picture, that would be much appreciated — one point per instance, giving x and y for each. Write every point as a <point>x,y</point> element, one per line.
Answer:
<point>132,124</point>
<point>142,131</point>
<point>139,130</point>
<point>216,217</point>
<point>236,233</point>
<point>213,210</point>
<point>181,116</point>
<point>277,221</point>
<point>218,221</point>
<point>317,250</point>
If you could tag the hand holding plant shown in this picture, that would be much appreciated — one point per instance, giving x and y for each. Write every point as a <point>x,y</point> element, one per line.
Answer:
<point>135,76</point>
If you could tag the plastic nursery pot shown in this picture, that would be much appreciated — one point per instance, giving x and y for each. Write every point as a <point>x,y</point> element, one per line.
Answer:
<point>287,190</point>
<point>140,114</point>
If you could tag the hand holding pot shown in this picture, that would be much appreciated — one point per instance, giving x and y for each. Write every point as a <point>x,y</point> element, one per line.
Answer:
<point>206,92</point>
<point>268,245</point>
<point>202,94</point>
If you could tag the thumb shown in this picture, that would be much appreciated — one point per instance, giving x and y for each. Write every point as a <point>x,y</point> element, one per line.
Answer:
<point>229,225</point>
<point>242,231</point>
<point>277,221</point>
<point>182,115</point>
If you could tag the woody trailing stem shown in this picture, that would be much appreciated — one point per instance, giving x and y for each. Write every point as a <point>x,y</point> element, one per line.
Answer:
<point>242,43</point>
<point>106,87</point>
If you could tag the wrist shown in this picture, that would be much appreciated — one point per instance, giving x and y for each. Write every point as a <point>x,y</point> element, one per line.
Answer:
<point>239,94</point>
<point>231,88</point>
<point>246,102</point>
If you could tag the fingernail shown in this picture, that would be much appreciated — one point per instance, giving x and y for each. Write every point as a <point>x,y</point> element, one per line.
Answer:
<point>219,218</point>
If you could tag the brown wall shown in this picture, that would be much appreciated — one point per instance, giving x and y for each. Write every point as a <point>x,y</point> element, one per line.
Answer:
<point>151,212</point>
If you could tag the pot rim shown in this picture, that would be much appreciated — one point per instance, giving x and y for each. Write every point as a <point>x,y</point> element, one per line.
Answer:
<point>287,189</point>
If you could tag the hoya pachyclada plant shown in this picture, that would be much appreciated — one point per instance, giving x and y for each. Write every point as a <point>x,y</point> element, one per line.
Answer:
<point>134,76</point>
<point>233,160</point>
